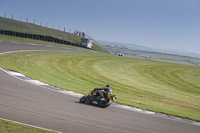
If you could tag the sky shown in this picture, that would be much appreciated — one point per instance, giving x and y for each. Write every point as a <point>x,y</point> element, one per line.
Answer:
<point>165,24</point>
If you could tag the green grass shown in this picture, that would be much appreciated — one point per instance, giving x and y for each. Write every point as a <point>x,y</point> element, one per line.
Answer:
<point>11,127</point>
<point>168,88</point>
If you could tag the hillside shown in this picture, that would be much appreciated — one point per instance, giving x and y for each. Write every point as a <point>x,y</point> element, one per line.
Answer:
<point>150,49</point>
<point>18,26</point>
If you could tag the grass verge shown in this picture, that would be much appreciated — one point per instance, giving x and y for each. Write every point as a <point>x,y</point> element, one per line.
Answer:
<point>12,127</point>
<point>168,88</point>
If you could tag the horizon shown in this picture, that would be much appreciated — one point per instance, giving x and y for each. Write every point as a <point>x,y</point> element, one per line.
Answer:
<point>151,49</point>
<point>167,24</point>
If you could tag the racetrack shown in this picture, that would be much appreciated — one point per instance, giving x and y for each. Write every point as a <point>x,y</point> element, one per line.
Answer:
<point>27,103</point>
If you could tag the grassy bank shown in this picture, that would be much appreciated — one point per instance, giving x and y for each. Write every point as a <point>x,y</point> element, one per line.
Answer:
<point>11,127</point>
<point>151,85</point>
<point>19,26</point>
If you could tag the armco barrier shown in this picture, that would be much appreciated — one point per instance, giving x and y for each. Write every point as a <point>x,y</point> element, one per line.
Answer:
<point>38,37</point>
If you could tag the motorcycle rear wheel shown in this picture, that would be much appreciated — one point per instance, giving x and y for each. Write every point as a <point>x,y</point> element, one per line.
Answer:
<point>105,104</point>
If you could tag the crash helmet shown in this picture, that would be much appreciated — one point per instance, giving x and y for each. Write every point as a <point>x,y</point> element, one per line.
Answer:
<point>108,86</point>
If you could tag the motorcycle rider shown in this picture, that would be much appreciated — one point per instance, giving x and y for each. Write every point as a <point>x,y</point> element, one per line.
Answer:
<point>100,94</point>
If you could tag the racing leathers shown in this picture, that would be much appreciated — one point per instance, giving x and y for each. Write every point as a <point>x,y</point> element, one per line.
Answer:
<point>106,90</point>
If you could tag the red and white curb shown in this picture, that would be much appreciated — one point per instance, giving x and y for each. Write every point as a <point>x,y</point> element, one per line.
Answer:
<point>38,83</point>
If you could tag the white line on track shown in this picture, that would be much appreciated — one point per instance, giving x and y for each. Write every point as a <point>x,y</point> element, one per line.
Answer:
<point>20,51</point>
<point>35,44</point>
<point>31,125</point>
<point>36,82</point>
<point>16,74</point>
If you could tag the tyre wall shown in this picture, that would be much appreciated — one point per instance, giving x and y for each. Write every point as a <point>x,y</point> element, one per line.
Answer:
<point>38,37</point>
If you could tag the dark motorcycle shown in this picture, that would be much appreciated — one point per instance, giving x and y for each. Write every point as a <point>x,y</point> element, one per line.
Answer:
<point>94,99</point>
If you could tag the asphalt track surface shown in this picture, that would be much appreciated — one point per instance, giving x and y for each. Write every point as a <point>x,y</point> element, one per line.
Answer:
<point>31,104</point>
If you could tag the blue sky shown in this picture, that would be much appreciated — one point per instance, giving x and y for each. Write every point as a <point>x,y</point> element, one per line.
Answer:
<point>168,24</point>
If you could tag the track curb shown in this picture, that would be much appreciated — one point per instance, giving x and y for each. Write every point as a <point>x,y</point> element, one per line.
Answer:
<point>71,93</point>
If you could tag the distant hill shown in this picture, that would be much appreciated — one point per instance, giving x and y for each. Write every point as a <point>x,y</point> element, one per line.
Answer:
<point>149,49</point>
<point>137,51</point>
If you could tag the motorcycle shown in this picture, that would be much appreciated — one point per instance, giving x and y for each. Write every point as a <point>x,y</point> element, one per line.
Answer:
<point>94,99</point>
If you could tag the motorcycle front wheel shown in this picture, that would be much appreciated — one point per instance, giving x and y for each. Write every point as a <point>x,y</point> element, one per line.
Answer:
<point>105,104</point>
<point>83,99</point>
